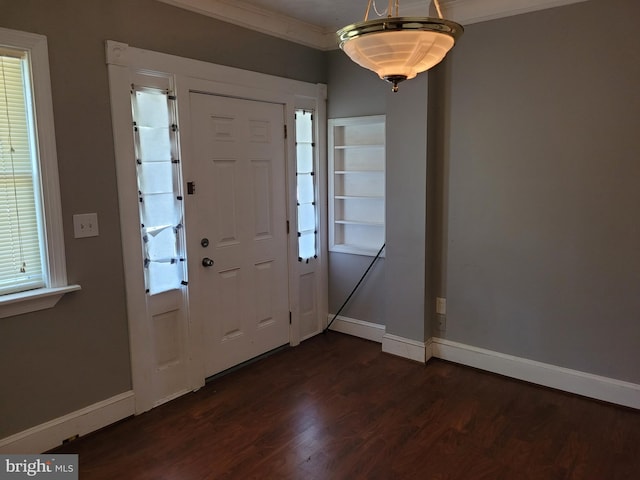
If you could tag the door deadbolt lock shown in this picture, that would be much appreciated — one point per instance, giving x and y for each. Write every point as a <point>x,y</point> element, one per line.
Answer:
<point>204,242</point>
<point>207,262</point>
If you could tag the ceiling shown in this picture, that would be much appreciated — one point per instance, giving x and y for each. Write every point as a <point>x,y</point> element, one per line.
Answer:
<point>314,22</point>
<point>334,14</point>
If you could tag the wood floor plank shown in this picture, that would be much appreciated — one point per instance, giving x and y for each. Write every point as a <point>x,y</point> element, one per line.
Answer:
<point>336,407</point>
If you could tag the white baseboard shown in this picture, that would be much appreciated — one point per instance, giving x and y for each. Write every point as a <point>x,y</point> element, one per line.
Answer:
<point>393,344</point>
<point>573,381</point>
<point>358,328</point>
<point>407,348</point>
<point>48,435</point>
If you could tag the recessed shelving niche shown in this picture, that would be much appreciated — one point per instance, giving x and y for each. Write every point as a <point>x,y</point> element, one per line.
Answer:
<point>356,184</point>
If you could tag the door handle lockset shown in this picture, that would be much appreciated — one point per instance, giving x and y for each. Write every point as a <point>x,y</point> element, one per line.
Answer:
<point>207,262</point>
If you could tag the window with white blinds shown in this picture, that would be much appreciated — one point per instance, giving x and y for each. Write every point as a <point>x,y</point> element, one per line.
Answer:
<point>21,245</point>
<point>33,271</point>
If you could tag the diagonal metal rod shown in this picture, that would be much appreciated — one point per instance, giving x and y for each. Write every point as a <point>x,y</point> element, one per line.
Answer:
<point>437,4</point>
<point>393,9</point>
<point>366,14</point>
<point>356,287</point>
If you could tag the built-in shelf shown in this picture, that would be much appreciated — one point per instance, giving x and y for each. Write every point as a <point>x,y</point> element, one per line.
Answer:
<point>358,197</point>
<point>360,222</point>
<point>355,147</point>
<point>356,184</point>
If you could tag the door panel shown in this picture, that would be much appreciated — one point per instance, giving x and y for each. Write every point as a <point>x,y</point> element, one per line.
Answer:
<point>240,198</point>
<point>167,332</point>
<point>223,181</point>
<point>308,304</point>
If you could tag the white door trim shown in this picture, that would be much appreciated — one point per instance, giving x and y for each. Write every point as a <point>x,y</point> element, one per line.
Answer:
<point>188,75</point>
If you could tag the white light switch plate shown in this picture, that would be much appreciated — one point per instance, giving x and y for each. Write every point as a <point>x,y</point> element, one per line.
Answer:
<point>85,225</point>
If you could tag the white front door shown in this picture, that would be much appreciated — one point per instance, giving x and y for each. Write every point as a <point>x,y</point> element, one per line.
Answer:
<point>237,242</point>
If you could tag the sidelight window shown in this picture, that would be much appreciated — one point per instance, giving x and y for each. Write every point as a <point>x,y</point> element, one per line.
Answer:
<point>159,188</point>
<point>306,186</point>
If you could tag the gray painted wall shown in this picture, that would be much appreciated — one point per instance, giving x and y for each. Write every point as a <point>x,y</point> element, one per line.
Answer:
<point>534,230</point>
<point>59,360</point>
<point>533,227</point>
<point>394,291</point>
<point>406,202</point>
<point>541,149</point>
<point>355,92</point>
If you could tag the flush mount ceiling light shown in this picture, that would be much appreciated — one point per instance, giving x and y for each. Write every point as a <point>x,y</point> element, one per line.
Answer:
<point>398,48</point>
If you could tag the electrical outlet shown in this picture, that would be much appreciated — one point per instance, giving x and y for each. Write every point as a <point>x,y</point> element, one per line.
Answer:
<point>85,225</point>
<point>441,323</point>
<point>441,306</point>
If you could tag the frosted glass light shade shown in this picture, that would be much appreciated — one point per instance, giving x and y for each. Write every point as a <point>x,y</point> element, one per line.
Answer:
<point>398,48</point>
<point>394,53</point>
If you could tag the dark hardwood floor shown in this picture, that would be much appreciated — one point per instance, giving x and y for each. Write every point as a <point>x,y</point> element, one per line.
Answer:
<point>337,408</point>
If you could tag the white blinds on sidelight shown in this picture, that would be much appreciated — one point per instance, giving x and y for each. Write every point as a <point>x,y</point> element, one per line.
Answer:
<point>306,191</point>
<point>159,189</point>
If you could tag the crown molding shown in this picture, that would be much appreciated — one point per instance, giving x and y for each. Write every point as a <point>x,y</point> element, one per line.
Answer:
<point>265,21</point>
<point>249,16</point>
<point>467,12</point>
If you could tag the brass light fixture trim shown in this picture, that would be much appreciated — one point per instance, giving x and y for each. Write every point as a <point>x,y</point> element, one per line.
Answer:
<point>398,48</point>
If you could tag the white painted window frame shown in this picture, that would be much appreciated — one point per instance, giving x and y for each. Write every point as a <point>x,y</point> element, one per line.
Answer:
<point>55,269</point>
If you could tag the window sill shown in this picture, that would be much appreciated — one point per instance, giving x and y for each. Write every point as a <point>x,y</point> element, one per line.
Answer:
<point>32,300</point>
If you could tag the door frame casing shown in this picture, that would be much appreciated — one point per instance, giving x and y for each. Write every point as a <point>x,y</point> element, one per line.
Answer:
<point>189,75</point>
